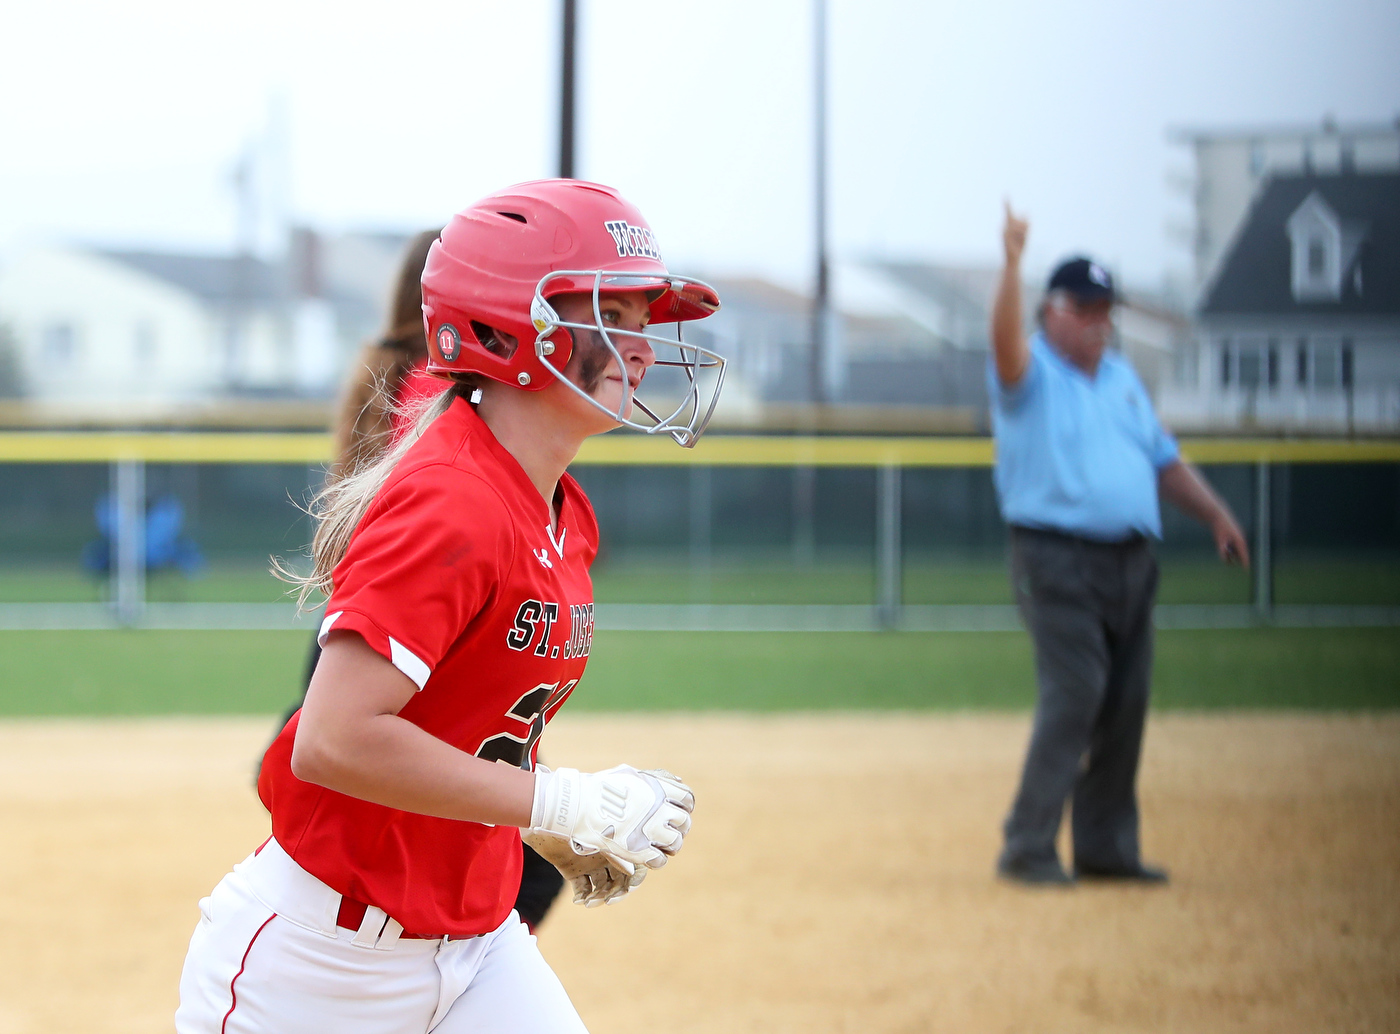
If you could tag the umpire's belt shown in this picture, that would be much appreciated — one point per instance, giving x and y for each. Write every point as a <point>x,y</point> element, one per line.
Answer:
<point>1133,541</point>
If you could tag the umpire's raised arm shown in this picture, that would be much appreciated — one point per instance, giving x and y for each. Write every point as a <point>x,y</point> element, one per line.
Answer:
<point>1009,349</point>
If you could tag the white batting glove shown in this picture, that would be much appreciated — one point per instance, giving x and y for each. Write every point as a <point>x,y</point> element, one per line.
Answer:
<point>636,818</point>
<point>605,884</point>
<point>595,878</point>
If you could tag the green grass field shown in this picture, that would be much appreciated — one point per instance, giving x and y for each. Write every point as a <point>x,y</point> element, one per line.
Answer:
<point>151,673</point>
<point>1357,580</point>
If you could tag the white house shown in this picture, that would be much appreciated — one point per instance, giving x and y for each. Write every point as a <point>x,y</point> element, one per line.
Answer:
<point>86,327</point>
<point>1300,328</point>
<point>112,329</point>
<point>1232,165</point>
<point>123,332</point>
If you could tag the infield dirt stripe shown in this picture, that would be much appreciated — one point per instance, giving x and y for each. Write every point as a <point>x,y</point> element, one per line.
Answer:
<point>838,877</point>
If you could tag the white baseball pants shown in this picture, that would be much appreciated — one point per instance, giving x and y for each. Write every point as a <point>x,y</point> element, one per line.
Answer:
<point>267,957</point>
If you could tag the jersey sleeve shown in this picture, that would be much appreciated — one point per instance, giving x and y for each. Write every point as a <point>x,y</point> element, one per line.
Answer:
<point>427,558</point>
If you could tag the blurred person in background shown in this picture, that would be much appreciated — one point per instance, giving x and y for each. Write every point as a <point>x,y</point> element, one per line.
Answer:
<point>389,380</point>
<point>1080,462</point>
<point>387,387</point>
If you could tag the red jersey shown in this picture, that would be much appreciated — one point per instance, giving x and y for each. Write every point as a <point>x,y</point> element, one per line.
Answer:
<point>455,576</point>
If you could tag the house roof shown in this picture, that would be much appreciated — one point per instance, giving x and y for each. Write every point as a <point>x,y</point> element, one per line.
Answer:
<point>1255,277</point>
<point>964,288</point>
<point>213,278</point>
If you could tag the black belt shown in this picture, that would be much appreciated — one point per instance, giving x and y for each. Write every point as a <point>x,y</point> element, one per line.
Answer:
<point>1137,538</point>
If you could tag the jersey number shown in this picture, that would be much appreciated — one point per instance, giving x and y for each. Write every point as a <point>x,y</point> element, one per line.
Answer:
<point>531,709</point>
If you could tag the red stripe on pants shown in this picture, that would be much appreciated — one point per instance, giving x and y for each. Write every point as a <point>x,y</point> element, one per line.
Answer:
<point>233,993</point>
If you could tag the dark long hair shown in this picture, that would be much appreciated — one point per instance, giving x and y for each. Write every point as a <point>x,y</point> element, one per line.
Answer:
<point>364,418</point>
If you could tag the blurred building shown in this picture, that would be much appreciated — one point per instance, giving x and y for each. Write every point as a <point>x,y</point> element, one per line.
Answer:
<point>887,358</point>
<point>909,347</point>
<point>1232,164</point>
<point>150,335</point>
<point>1299,327</point>
<point>956,303</point>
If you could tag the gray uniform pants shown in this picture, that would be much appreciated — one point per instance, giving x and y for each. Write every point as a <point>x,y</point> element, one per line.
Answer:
<point>1088,607</point>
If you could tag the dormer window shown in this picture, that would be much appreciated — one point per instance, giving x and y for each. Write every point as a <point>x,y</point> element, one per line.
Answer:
<point>1317,258</point>
<point>1324,250</point>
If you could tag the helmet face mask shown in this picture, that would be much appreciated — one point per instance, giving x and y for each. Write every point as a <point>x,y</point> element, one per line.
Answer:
<point>695,392</point>
<point>499,262</point>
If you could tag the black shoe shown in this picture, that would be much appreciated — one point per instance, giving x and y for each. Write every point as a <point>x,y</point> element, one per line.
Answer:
<point>1138,873</point>
<point>1040,873</point>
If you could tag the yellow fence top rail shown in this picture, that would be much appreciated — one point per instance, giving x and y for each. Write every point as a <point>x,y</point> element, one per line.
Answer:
<point>623,450</point>
<point>161,447</point>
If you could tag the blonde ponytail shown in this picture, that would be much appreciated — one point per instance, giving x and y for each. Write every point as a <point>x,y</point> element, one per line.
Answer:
<point>338,507</point>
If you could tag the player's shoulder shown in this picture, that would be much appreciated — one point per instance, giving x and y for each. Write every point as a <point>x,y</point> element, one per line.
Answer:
<point>451,458</point>
<point>436,486</point>
<point>437,480</point>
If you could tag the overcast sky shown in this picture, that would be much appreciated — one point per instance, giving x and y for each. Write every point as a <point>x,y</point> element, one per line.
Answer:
<point>121,124</point>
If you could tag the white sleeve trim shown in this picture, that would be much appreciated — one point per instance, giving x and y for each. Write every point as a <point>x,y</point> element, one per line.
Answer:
<point>408,662</point>
<point>326,627</point>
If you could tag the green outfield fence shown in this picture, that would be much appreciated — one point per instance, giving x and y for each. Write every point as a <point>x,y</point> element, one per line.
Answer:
<point>764,533</point>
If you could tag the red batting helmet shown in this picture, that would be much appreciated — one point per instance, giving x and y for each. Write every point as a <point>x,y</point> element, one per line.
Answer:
<point>499,261</point>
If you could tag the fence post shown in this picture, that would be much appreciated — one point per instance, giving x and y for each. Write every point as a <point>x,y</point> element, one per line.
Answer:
<point>1263,543</point>
<point>889,555</point>
<point>804,508</point>
<point>129,540</point>
<point>701,530</point>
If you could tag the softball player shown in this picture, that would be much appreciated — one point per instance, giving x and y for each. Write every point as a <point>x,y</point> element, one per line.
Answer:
<point>460,619</point>
<point>388,384</point>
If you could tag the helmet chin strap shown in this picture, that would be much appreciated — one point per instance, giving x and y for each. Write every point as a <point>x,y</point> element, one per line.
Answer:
<point>693,359</point>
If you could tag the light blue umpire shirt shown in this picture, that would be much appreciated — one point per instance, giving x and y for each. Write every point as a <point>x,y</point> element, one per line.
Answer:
<point>1075,453</point>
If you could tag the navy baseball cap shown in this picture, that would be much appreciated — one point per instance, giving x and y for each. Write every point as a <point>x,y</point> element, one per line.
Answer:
<point>1085,279</point>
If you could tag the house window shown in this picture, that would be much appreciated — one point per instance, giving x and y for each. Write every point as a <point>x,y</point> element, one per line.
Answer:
<point>1347,365</point>
<point>1317,258</point>
<point>1272,356</point>
<point>1225,364</point>
<point>1302,362</point>
<point>60,343</point>
<point>1327,366</point>
<point>1185,365</point>
<point>1251,367</point>
<point>143,345</point>
<point>1316,245</point>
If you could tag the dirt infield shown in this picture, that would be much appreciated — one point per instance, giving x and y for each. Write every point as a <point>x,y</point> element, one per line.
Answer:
<point>838,878</point>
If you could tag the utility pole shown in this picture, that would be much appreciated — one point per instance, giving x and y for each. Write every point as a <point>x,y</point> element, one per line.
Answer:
<point>566,91</point>
<point>820,301</point>
<point>238,328</point>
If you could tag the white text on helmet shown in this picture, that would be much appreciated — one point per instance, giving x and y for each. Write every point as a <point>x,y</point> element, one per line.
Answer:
<point>632,241</point>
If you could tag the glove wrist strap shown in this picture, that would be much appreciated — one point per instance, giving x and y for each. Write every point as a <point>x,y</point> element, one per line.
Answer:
<point>556,804</point>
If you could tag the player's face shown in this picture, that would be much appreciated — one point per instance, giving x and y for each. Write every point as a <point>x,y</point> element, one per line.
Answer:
<point>591,365</point>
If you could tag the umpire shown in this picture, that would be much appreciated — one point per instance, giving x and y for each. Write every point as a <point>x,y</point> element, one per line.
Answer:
<point>1081,459</point>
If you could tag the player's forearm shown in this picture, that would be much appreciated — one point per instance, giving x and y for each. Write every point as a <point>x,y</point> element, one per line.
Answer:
<point>390,761</point>
<point>1009,349</point>
<point>1183,486</point>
